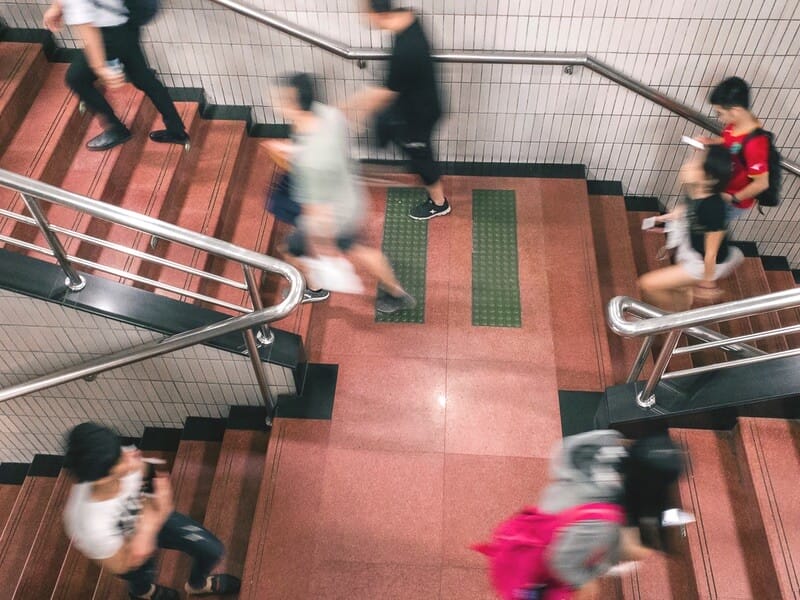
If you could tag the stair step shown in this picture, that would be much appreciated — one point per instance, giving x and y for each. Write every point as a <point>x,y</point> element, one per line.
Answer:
<point>191,477</point>
<point>151,185</point>
<point>199,205</point>
<point>102,175</point>
<point>23,521</point>
<point>728,545</point>
<point>40,575</point>
<point>22,68</point>
<point>77,578</point>
<point>753,282</point>
<point>234,493</point>
<point>244,222</point>
<point>11,477</point>
<point>581,350</point>
<point>43,143</point>
<point>771,448</point>
<point>617,273</point>
<point>779,281</point>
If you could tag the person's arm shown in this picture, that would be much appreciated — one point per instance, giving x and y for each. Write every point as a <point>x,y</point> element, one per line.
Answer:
<point>368,101</point>
<point>53,19</point>
<point>758,184</point>
<point>95,52</point>
<point>143,542</point>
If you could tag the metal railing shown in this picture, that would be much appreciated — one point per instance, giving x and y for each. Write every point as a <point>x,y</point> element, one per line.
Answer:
<point>33,191</point>
<point>362,55</point>
<point>651,322</point>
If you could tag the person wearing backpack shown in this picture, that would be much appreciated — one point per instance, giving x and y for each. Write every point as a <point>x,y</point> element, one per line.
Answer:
<point>756,162</point>
<point>112,51</point>
<point>601,489</point>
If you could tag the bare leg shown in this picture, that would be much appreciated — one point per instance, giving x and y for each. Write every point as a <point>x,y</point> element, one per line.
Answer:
<point>658,287</point>
<point>436,192</point>
<point>376,264</point>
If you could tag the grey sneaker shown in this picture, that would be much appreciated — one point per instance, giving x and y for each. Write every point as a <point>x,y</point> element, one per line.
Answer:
<point>388,304</point>
<point>309,295</point>
<point>429,210</point>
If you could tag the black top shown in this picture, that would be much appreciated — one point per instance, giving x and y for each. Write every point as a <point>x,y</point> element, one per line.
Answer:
<point>412,76</point>
<point>705,215</point>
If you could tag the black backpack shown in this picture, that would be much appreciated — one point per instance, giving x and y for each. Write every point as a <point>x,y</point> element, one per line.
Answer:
<point>770,196</point>
<point>139,12</point>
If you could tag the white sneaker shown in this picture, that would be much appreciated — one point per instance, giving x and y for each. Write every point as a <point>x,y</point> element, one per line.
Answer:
<point>675,517</point>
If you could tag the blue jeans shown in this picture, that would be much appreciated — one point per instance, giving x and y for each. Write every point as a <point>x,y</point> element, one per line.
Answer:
<point>185,535</point>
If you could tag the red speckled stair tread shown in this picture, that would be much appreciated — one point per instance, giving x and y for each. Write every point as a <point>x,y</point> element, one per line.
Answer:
<point>22,72</point>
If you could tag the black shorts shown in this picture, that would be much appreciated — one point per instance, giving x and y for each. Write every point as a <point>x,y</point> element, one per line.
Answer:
<point>415,141</point>
<point>297,245</point>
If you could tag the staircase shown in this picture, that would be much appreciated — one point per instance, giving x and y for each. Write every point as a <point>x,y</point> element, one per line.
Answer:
<point>439,431</point>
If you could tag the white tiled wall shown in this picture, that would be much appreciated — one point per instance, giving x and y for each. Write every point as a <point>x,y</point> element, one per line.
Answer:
<point>38,337</point>
<point>518,113</point>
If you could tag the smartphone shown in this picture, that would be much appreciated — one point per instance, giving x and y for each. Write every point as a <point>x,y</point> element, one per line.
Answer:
<point>152,473</point>
<point>692,142</point>
<point>648,223</point>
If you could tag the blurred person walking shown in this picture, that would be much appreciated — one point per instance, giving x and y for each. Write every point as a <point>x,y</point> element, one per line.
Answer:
<point>112,52</point>
<point>333,203</point>
<point>408,105</point>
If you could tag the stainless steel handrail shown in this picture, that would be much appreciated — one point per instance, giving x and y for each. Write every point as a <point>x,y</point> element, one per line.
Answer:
<point>674,324</point>
<point>488,57</point>
<point>31,190</point>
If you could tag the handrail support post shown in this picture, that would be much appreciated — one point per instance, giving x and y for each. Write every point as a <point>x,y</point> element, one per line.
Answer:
<point>638,364</point>
<point>264,335</point>
<point>261,376</point>
<point>646,398</point>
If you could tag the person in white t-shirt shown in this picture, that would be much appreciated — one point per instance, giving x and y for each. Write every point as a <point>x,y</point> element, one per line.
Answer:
<point>103,27</point>
<point>111,520</point>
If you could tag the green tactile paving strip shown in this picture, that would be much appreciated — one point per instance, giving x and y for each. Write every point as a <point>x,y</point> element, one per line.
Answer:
<point>405,243</point>
<point>495,270</point>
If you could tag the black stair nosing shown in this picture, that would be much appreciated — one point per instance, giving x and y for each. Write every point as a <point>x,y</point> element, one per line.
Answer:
<point>270,130</point>
<point>749,249</point>
<point>604,188</point>
<point>134,306</point>
<point>13,473</point>
<point>317,397</point>
<point>247,418</point>
<point>497,169</point>
<point>160,439</point>
<point>775,263</point>
<point>46,465</point>
<point>643,204</point>
<point>203,429</point>
<point>796,275</point>
<point>577,410</point>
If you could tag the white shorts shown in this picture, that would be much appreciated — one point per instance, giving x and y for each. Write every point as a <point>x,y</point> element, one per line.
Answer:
<point>692,261</point>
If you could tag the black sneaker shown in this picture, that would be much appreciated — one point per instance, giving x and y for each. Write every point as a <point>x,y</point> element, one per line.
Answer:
<point>310,295</point>
<point>388,304</point>
<point>164,136</point>
<point>109,138</point>
<point>429,209</point>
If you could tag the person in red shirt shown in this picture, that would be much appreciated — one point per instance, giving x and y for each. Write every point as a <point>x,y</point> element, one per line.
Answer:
<point>750,177</point>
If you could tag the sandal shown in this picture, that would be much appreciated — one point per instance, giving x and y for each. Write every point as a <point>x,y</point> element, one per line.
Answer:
<point>158,592</point>
<point>217,584</point>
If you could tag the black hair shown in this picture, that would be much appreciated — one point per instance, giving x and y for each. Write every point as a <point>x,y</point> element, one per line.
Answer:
<point>303,84</point>
<point>92,450</point>
<point>381,6</point>
<point>731,93</point>
<point>653,464</point>
<point>718,167</point>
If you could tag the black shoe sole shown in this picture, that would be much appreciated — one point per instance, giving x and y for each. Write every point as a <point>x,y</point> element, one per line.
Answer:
<point>109,146</point>
<point>433,216</point>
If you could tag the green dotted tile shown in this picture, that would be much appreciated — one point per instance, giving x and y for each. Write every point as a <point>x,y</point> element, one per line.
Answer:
<point>495,268</point>
<point>405,243</point>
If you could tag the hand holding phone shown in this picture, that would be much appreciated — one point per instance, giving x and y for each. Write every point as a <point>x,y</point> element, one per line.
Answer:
<point>648,223</point>
<point>152,472</point>
<point>693,142</point>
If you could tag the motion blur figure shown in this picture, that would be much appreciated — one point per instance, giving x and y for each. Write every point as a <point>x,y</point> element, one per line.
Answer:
<point>112,519</point>
<point>603,490</point>
<point>112,51</point>
<point>407,107</point>
<point>333,203</point>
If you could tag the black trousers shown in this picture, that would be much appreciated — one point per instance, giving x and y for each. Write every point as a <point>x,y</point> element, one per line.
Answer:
<point>123,42</point>
<point>413,139</point>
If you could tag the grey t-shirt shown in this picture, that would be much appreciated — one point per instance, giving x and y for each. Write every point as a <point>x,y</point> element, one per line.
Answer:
<point>100,13</point>
<point>324,173</point>
<point>584,472</point>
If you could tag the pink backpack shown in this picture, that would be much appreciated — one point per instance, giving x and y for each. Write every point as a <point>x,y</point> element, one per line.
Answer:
<point>517,561</point>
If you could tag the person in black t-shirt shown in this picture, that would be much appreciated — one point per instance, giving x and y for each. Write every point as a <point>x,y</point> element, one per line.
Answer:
<point>407,105</point>
<point>703,255</point>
